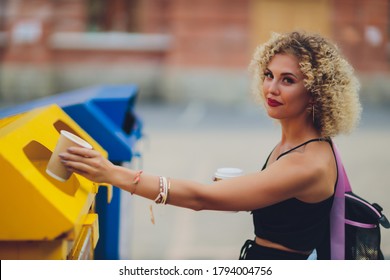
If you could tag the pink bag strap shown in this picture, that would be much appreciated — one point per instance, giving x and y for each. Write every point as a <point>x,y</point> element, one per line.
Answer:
<point>337,213</point>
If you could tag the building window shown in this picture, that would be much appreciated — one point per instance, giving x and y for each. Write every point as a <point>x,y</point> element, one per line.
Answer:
<point>113,15</point>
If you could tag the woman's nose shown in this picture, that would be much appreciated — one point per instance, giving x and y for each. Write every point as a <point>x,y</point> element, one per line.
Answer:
<point>273,87</point>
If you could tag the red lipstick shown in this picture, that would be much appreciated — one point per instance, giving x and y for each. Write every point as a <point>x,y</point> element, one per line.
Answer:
<point>273,103</point>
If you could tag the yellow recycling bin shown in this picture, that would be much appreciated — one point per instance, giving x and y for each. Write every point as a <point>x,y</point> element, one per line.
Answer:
<point>40,217</point>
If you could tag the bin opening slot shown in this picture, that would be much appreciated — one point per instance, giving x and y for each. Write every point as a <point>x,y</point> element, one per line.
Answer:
<point>39,156</point>
<point>128,123</point>
<point>60,125</point>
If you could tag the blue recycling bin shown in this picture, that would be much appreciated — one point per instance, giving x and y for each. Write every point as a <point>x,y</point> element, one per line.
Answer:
<point>107,114</point>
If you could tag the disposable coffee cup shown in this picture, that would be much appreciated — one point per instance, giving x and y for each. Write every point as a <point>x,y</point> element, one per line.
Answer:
<point>55,168</point>
<point>227,173</point>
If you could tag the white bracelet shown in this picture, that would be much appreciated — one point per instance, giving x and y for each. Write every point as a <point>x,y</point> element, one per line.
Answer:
<point>162,196</point>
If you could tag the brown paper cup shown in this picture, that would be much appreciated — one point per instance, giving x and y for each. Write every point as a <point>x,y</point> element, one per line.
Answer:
<point>55,168</point>
<point>226,173</point>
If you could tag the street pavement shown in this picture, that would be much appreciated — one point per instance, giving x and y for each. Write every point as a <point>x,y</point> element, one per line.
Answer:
<point>192,140</point>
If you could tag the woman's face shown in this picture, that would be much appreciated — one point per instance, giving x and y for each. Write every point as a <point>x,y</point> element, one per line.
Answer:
<point>284,92</point>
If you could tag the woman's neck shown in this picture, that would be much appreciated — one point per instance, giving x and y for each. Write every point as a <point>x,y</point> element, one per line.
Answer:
<point>295,133</point>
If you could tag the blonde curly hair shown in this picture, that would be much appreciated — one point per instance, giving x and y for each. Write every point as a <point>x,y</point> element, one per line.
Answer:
<point>328,76</point>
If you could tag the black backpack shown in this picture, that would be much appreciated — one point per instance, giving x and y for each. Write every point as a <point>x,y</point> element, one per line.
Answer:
<point>355,232</point>
<point>362,228</point>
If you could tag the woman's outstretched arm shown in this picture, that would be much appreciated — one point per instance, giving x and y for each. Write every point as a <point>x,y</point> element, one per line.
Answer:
<point>289,177</point>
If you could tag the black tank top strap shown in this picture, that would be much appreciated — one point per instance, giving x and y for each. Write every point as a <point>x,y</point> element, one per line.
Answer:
<point>300,145</point>
<point>266,162</point>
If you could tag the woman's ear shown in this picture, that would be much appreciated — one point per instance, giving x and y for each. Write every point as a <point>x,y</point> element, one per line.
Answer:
<point>311,100</point>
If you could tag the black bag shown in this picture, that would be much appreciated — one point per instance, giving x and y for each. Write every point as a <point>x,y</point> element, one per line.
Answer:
<point>354,223</point>
<point>362,228</point>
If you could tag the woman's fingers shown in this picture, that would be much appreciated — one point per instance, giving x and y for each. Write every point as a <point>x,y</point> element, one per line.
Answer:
<point>89,163</point>
<point>77,167</point>
<point>83,152</point>
<point>83,155</point>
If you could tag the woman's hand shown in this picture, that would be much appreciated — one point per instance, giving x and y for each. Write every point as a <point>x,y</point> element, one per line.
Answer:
<point>88,163</point>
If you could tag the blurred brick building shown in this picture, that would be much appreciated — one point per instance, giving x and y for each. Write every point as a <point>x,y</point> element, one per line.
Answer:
<point>173,49</point>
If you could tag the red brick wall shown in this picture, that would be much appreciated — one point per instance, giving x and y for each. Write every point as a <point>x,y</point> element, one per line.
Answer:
<point>69,15</point>
<point>210,33</point>
<point>33,15</point>
<point>361,29</point>
<point>206,33</point>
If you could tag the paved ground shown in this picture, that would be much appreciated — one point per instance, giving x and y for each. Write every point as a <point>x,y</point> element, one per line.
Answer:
<point>192,141</point>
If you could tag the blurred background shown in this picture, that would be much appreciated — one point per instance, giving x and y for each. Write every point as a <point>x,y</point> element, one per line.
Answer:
<point>189,59</point>
<point>175,50</point>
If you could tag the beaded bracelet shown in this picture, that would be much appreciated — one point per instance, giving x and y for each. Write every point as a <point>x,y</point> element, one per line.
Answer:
<point>164,186</point>
<point>162,197</point>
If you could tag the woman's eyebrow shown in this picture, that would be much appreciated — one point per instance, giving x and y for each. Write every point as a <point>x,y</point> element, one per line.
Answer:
<point>284,73</point>
<point>289,74</point>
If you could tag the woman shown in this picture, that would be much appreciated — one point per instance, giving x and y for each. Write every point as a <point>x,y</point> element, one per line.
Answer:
<point>310,89</point>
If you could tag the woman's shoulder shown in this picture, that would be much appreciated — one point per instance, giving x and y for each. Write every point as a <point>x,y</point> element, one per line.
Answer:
<point>314,149</point>
<point>313,161</point>
<point>317,163</point>
<point>314,155</point>
<point>306,174</point>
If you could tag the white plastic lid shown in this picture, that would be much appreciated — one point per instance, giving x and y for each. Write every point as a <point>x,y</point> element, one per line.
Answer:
<point>228,172</point>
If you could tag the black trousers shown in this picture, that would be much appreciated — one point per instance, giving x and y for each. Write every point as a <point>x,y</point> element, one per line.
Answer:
<point>253,251</point>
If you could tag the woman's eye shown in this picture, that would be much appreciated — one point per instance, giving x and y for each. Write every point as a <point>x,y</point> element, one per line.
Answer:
<point>288,80</point>
<point>268,75</point>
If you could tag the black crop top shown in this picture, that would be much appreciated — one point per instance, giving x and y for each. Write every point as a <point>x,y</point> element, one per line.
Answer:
<point>293,223</point>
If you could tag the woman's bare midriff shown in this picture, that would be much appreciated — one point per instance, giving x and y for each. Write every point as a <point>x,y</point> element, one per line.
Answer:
<point>270,244</point>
